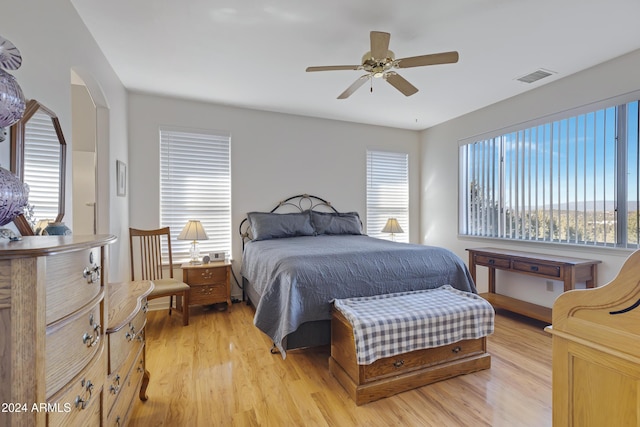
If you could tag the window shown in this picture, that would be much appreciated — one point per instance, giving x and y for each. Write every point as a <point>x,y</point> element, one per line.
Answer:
<point>572,179</point>
<point>195,183</point>
<point>387,193</point>
<point>42,167</point>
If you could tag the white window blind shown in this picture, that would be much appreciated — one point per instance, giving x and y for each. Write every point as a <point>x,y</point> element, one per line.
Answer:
<point>195,183</point>
<point>42,167</point>
<point>387,193</point>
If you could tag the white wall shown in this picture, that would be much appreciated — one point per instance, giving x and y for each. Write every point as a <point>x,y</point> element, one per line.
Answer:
<point>273,156</point>
<point>53,39</point>
<point>440,169</point>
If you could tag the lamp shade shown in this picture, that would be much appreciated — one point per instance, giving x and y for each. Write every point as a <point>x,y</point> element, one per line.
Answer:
<point>392,226</point>
<point>193,231</point>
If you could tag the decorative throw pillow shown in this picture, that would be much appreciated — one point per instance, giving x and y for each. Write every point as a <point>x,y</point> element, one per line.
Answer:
<point>336,223</point>
<point>266,225</point>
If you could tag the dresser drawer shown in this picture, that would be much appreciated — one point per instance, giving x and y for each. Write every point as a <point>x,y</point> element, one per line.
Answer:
<point>80,403</point>
<point>72,280</point>
<point>70,344</point>
<point>202,276</point>
<point>117,378</point>
<point>541,269</point>
<point>119,414</point>
<point>419,359</point>
<point>208,294</point>
<point>123,341</point>
<point>493,261</point>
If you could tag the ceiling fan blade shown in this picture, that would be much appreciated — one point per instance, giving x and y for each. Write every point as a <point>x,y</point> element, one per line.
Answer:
<point>347,93</point>
<point>334,67</point>
<point>433,59</point>
<point>400,83</point>
<point>379,44</point>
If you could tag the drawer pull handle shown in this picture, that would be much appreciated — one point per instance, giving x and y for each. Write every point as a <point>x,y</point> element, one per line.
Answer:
<point>80,403</point>
<point>456,349</point>
<point>92,340</point>
<point>130,336</point>
<point>534,268</point>
<point>88,385</point>
<point>92,273</point>
<point>115,387</point>
<point>398,363</point>
<point>492,261</point>
<point>207,276</point>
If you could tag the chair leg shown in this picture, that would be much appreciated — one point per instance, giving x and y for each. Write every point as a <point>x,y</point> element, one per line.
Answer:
<point>170,303</point>
<point>185,308</point>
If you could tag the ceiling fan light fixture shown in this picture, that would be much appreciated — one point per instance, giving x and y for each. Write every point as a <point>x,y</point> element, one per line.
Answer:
<point>380,61</point>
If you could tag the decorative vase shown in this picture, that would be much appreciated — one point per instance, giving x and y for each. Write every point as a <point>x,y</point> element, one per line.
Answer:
<point>14,196</point>
<point>56,229</point>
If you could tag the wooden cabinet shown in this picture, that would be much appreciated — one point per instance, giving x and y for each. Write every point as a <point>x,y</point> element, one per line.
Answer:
<point>71,345</point>
<point>210,283</point>
<point>127,372</point>
<point>596,353</point>
<point>53,359</point>
<point>567,269</point>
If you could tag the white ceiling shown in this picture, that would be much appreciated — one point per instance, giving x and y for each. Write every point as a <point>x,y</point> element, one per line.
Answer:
<point>253,53</point>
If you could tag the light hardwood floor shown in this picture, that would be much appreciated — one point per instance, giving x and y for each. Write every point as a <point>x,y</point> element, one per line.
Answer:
<point>218,372</point>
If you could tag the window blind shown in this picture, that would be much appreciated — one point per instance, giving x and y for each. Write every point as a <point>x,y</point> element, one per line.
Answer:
<point>569,180</point>
<point>387,193</point>
<point>195,183</point>
<point>42,167</point>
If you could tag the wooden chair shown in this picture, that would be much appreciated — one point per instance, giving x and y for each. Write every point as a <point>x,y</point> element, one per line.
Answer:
<point>147,245</point>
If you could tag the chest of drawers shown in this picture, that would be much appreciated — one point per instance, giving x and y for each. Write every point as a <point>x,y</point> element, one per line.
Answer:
<point>53,359</point>
<point>127,372</point>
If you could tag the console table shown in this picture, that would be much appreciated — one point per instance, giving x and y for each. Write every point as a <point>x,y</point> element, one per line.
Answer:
<point>566,269</point>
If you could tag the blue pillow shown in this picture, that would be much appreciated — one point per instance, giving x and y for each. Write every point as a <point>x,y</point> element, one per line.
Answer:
<point>336,223</point>
<point>266,225</point>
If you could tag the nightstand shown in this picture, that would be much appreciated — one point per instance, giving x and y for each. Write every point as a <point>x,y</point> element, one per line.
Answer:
<point>209,283</point>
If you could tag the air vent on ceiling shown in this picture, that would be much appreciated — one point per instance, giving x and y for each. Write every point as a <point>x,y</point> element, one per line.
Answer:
<point>535,76</point>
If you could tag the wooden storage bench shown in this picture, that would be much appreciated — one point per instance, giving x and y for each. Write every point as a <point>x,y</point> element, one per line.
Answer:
<point>406,370</point>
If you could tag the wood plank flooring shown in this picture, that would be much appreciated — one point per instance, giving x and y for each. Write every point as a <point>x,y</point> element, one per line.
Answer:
<point>218,371</point>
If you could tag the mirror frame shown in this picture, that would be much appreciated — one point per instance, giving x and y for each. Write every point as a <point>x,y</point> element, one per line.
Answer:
<point>17,158</point>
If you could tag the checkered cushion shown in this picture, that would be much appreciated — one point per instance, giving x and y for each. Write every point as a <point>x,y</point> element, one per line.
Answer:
<point>392,324</point>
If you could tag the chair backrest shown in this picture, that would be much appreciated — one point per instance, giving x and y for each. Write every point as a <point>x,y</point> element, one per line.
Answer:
<point>147,244</point>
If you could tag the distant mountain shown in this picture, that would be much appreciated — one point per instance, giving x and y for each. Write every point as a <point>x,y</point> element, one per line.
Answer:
<point>590,206</point>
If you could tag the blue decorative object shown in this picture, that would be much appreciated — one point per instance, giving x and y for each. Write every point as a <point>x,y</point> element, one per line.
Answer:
<point>56,229</point>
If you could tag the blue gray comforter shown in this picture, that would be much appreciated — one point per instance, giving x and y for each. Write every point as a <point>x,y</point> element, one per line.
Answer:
<point>298,277</point>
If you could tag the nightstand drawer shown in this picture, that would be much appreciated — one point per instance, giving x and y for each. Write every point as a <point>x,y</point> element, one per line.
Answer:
<point>203,276</point>
<point>208,294</point>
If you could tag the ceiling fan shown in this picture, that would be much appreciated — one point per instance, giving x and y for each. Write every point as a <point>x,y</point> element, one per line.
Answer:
<point>380,61</point>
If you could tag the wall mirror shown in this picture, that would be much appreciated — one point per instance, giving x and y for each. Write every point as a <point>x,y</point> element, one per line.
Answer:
<point>38,157</point>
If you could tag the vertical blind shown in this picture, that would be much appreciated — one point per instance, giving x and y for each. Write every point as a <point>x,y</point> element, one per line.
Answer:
<point>195,183</point>
<point>570,180</point>
<point>387,193</point>
<point>42,167</point>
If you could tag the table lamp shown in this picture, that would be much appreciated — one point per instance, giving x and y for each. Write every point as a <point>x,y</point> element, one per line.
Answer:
<point>193,231</point>
<point>392,226</point>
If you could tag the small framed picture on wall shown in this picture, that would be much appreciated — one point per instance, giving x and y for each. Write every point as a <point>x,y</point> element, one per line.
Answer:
<point>121,174</point>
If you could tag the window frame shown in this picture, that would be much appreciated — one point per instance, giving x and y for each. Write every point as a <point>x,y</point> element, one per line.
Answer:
<point>396,207</point>
<point>619,104</point>
<point>215,218</point>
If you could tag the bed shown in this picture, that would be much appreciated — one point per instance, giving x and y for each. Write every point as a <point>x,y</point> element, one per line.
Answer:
<point>303,254</point>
